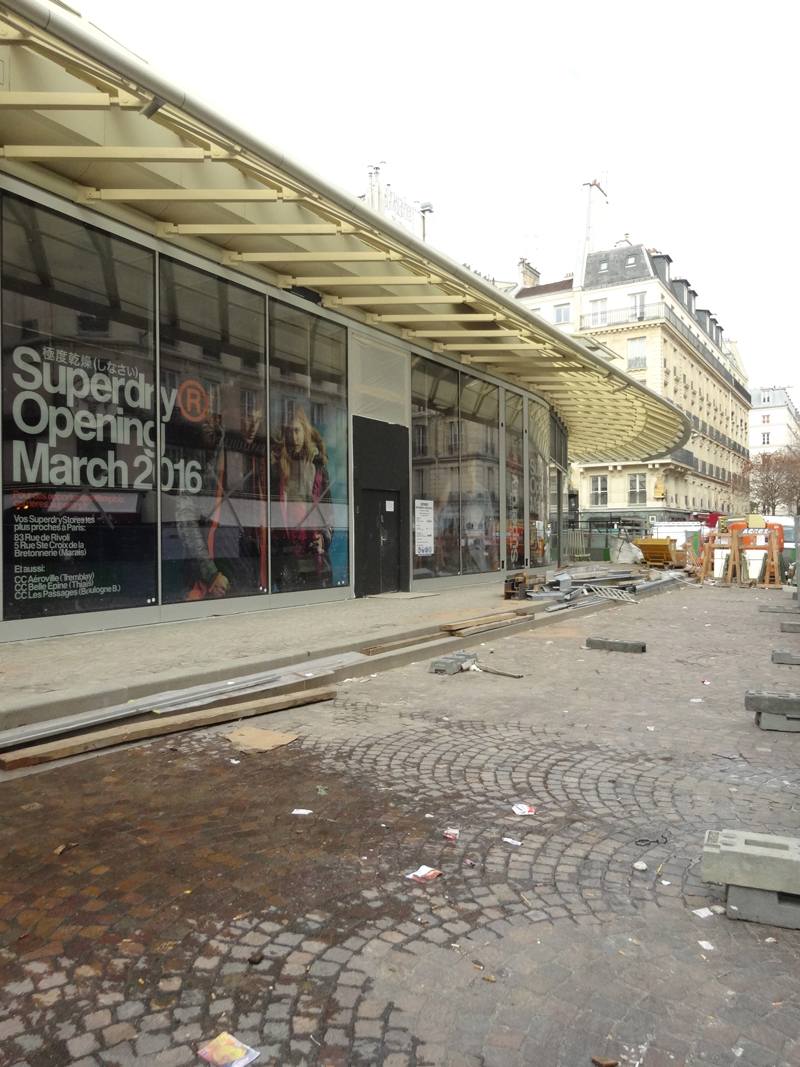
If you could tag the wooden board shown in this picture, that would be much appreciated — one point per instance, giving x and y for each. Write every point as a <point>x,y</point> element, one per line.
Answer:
<point>484,620</point>
<point>156,727</point>
<point>403,642</point>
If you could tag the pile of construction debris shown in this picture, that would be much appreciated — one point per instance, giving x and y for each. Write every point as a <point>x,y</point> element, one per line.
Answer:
<point>582,586</point>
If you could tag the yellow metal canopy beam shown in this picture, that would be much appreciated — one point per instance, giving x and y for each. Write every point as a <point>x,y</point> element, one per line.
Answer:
<point>466,334</point>
<point>253,229</point>
<point>434,317</point>
<point>520,347</point>
<point>113,154</point>
<point>349,279</point>
<point>311,257</point>
<point>377,298</point>
<point>65,101</point>
<point>194,196</point>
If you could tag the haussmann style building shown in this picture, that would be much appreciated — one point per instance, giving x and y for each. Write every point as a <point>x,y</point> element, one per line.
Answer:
<point>229,385</point>
<point>625,301</point>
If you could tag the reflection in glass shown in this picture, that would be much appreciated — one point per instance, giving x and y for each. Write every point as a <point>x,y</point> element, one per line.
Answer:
<point>538,455</point>
<point>480,476</point>
<point>79,441</point>
<point>556,513</point>
<point>308,451</point>
<point>214,467</point>
<point>435,464</point>
<point>515,482</point>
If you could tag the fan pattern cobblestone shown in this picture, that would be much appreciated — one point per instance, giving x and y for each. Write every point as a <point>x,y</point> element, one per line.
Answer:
<point>191,900</point>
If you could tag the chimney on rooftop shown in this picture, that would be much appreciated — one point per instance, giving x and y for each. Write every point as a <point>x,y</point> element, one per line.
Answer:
<point>527,276</point>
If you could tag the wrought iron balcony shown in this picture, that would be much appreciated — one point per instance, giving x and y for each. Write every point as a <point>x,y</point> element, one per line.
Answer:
<point>648,313</point>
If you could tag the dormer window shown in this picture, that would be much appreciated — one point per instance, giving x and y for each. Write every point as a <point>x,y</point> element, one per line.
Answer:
<point>604,265</point>
<point>630,261</point>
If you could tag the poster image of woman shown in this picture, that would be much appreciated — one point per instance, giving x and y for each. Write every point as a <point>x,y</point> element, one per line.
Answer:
<point>223,528</point>
<point>302,509</point>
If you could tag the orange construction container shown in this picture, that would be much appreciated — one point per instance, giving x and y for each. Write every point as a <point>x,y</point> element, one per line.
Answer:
<point>755,539</point>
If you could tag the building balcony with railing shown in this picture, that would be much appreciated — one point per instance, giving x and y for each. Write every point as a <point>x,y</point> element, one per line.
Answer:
<point>597,319</point>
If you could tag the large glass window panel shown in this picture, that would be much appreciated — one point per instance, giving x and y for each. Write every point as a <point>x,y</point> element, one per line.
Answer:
<point>538,457</point>
<point>79,417</point>
<point>214,466</point>
<point>480,476</point>
<point>308,451</point>
<point>515,482</point>
<point>435,466</point>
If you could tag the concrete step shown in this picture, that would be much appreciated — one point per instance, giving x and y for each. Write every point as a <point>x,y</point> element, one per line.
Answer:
<point>757,861</point>
<point>790,626</point>
<point>783,655</point>
<point>764,906</point>
<point>788,724</point>
<point>610,645</point>
<point>775,703</point>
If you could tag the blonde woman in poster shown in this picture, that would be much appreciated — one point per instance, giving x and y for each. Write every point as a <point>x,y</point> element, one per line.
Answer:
<point>302,509</point>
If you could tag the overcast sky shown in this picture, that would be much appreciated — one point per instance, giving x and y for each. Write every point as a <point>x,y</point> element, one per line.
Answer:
<point>498,113</point>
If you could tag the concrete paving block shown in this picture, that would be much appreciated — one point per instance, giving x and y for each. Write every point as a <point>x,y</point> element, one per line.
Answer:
<point>758,861</point>
<point>764,906</point>
<point>615,646</point>
<point>766,720</point>
<point>775,703</point>
<point>783,655</point>
<point>790,626</point>
<point>452,664</point>
<point>785,609</point>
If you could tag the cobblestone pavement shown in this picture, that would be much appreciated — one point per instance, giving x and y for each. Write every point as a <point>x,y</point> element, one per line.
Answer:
<point>189,900</point>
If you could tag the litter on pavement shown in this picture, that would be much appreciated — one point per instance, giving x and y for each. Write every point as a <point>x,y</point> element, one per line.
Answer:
<point>702,913</point>
<point>524,809</point>
<point>706,945</point>
<point>424,874</point>
<point>228,1050</point>
<point>451,833</point>
<point>261,740</point>
<point>640,865</point>
<point>302,811</point>
<point>511,841</point>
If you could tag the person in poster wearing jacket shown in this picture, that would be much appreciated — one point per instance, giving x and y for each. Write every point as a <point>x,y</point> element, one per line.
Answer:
<point>302,509</point>
<point>223,529</point>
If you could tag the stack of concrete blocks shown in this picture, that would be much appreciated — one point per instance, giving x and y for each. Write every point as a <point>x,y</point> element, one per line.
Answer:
<point>762,873</point>
<point>779,711</point>
<point>452,663</point>
<point>775,711</point>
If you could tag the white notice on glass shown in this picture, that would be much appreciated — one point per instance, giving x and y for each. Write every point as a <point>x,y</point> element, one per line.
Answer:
<point>390,505</point>
<point>423,527</point>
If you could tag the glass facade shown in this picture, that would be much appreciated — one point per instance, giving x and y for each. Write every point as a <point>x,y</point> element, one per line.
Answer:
<point>170,436</point>
<point>308,451</point>
<point>214,461</point>
<point>538,483</point>
<point>435,461</point>
<point>515,482</point>
<point>480,476</point>
<point>79,417</point>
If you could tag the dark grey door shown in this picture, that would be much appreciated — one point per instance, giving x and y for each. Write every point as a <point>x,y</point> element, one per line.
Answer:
<point>379,557</point>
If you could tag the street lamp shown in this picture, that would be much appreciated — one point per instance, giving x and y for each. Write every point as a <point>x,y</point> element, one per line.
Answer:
<point>425,210</point>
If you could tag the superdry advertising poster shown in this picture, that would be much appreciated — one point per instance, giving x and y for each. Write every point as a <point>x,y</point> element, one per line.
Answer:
<point>79,419</point>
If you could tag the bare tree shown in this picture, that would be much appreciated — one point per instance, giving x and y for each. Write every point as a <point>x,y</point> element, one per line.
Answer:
<point>766,473</point>
<point>791,494</point>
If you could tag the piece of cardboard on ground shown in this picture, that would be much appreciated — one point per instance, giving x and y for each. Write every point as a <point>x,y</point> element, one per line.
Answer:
<point>253,738</point>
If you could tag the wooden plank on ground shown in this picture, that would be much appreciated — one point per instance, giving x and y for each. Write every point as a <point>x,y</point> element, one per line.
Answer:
<point>480,620</point>
<point>403,642</point>
<point>156,727</point>
<point>470,631</point>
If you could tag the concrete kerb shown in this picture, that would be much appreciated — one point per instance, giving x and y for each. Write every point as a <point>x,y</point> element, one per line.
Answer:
<point>77,701</point>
